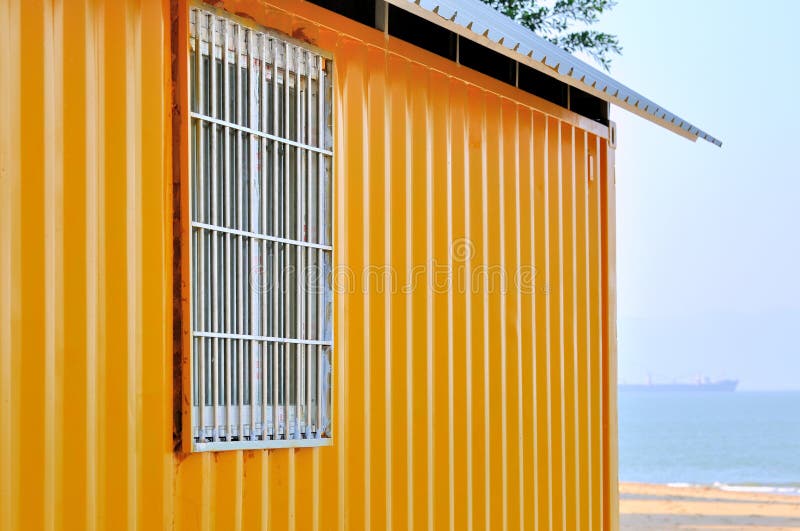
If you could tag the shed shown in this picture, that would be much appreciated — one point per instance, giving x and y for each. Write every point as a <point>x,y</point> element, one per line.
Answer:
<point>274,264</point>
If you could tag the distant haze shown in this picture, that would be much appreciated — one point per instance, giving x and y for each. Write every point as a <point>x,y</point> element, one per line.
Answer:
<point>758,350</point>
<point>709,239</point>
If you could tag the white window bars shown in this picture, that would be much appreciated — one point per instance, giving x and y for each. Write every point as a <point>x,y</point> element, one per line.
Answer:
<point>261,242</point>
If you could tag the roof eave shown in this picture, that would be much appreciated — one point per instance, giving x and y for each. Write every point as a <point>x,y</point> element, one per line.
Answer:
<point>480,23</point>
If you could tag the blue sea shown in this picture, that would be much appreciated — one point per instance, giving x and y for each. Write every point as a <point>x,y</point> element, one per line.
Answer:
<point>736,441</point>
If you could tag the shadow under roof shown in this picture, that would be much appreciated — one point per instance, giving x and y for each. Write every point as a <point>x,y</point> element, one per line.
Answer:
<point>476,21</point>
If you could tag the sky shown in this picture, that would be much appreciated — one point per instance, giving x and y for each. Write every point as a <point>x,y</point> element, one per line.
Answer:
<point>708,243</point>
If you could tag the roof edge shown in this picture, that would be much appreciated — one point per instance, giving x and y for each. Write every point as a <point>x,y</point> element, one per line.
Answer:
<point>480,23</point>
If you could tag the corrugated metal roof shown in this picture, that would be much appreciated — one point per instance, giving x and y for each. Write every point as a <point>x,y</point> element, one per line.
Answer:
<point>478,22</point>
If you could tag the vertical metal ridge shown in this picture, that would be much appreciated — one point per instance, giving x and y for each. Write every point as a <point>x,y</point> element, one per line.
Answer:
<point>380,285</point>
<point>115,380</point>
<point>565,286</point>
<point>367,290</point>
<point>291,489</point>
<point>207,480</point>
<point>601,431</point>
<point>316,487</point>
<point>417,96</point>
<point>512,447</point>
<point>601,327</point>
<point>541,352</point>
<point>341,337</point>
<point>278,496</point>
<point>503,177</point>
<point>133,266</point>
<point>532,331</point>
<point>587,297</point>
<point>254,500</point>
<point>458,323</point>
<point>607,263</point>
<point>221,484</point>
<point>352,109</point>
<point>160,19</point>
<point>548,333</point>
<point>534,314</point>
<point>561,346</point>
<point>74,480</point>
<point>468,314</point>
<point>95,270</point>
<point>449,139</point>
<point>518,294</point>
<point>341,254</point>
<point>398,312</point>
<point>387,299</point>
<point>186,485</point>
<point>583,324</point>
<point>429,260</point>
<point>409,264</point>
<point>569,365</point>
<point>305,494</point>
<point>576,405</point>
<point>54,263</point>
<point>590,326</point>
<point>33,442</point>
<point>155,499</point>
<point>594,305</point>
<point>610,377</point>
<point>10,267</point>
<point>237,457</point>
<point>493,340</point>
<point>484,184</point>
<point>440,455</point>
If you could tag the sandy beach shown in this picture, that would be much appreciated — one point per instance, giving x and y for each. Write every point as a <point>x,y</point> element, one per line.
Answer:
<point>645,506</point>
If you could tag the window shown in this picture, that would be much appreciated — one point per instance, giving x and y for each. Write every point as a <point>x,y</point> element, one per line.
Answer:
<point>261,242</point>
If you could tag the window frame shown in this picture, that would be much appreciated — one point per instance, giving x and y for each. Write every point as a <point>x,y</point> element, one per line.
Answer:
<point>183,218</point>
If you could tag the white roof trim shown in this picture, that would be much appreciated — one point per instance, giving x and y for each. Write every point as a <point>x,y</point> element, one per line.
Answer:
<point>478,22</point>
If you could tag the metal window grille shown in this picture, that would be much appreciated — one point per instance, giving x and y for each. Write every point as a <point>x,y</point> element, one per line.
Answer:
<point>261,243</point>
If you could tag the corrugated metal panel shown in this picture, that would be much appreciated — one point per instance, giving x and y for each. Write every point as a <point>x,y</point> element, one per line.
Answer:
<point>85,306</point>
<point>478,22</point>
<point>453,408</point>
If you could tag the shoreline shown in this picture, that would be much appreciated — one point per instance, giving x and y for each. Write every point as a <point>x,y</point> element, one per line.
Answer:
<point>792,489</point>
<point>682,506</point>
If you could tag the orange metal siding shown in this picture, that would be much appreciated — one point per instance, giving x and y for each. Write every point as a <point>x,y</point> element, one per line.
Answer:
<point>86,266</point>
<point>460,409</point>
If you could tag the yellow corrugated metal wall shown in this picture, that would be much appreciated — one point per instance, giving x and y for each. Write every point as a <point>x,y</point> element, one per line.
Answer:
<point>85,265</point>
<point>473,407</point>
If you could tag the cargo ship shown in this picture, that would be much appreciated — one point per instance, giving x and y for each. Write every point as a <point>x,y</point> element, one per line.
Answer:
<point>701,384</point>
